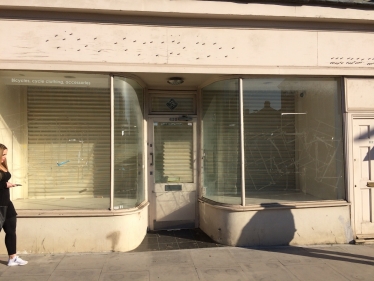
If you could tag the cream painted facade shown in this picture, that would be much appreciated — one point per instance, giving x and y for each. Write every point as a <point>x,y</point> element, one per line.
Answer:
<point>202,42</point>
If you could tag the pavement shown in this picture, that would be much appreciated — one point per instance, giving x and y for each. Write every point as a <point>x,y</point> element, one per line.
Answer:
<point>334,262</point>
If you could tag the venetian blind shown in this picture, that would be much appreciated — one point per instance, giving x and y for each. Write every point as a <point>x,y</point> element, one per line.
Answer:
<point>174,148</point>
<point>221,139</point>
<point>68,142</point>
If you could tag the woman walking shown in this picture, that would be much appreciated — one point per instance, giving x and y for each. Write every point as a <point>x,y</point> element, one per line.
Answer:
<point>11,215</point>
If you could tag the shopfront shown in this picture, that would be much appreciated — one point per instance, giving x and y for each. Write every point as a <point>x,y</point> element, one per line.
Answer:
<point>255,130</point>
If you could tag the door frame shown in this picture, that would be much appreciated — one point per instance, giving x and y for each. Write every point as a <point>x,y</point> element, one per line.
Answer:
<point>149,158</point>
<point>350,117</point>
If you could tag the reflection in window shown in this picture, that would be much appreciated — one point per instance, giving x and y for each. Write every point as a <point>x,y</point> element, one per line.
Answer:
<point>293,145</point>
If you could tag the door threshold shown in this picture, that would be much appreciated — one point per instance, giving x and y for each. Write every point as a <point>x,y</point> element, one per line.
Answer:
<point>364,239</point>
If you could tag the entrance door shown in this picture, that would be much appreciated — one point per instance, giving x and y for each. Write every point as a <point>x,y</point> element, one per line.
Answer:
<point>363,155</point>
<point>172,172</point>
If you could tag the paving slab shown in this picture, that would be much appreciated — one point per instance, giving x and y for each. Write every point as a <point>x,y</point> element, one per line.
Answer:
<point>171,258</point>
<point>76,275</point>
<point>126,275</point>
<point>353,271</point>
<point>129,261</point>
<point>212,257</point>
<point>25,270</point>
<point>223,274</point>
<point>349,253</point>
<point>28,278</point>
<point>255,255</point>
<point>315,272</point>
<point>292,255</point>
<point>82,261</point>
<point>173,272</point>
<point>270,270</point>
<point>337,262</point>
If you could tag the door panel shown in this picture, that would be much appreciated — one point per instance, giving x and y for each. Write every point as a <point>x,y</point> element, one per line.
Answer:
<point>172,178</point>
<point>363,155</point>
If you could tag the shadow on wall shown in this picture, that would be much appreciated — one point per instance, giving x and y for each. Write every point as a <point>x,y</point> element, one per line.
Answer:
<point>272,227</point>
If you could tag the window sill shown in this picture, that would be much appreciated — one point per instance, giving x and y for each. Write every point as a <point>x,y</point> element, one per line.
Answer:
<point>80,213</point>
<point>275,206</point>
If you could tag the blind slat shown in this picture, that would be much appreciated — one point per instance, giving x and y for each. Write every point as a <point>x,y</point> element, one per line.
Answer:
<point>69,142</point>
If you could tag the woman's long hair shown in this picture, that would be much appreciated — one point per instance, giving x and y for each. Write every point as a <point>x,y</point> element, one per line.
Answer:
<point>2,148</point>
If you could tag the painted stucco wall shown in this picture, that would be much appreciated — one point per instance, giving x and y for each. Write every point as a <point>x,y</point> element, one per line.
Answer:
<point>80,234</point>
<point>309,226</point>
<point>90,46</point>
<point>359,93</point>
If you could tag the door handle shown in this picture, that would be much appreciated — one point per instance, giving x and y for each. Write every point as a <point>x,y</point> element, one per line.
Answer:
<point>151,164</point>
<point>370,184</point>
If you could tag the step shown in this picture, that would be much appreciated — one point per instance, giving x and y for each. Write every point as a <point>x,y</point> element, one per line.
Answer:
<point>364,241</point>
<point>365,236</point>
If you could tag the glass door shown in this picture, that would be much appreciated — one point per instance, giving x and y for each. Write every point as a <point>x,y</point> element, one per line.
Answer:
<point>172,172</point>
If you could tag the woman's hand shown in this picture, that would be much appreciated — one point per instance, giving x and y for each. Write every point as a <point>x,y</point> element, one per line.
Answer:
<point>9,185</point>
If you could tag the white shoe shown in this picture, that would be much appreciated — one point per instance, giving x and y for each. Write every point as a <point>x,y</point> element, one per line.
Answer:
<point>16,261</point>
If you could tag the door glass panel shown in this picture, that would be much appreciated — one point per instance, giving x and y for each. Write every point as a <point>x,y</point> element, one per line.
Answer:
<point>173,152</point>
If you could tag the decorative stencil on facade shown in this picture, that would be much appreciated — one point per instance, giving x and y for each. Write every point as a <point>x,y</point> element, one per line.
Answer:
<point>130,44</point>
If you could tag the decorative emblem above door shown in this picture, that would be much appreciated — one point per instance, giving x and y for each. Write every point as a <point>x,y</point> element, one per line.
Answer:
<point>172,104</point>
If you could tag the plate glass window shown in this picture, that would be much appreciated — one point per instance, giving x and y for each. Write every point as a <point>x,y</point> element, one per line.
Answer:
<point>293,144</point>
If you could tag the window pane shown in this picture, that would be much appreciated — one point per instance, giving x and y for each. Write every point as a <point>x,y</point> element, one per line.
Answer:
<point>174,148</point>
<point>221,142</point>
<point>293,140</point>
<point>128,144</point>
<point>57,129</point>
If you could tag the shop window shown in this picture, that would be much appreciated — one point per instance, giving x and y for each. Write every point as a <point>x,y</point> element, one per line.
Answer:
<point>57,127</point>
<point>221,142</point>
<point>128,144</point>
<point>293,146</point>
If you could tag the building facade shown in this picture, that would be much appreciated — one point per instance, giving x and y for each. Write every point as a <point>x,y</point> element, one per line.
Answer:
<point>252,121</point>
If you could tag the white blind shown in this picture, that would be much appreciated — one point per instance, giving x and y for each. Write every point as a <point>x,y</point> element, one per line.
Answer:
<point>221,142</point>
<point>68,142</point>
<point>174,148</point>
